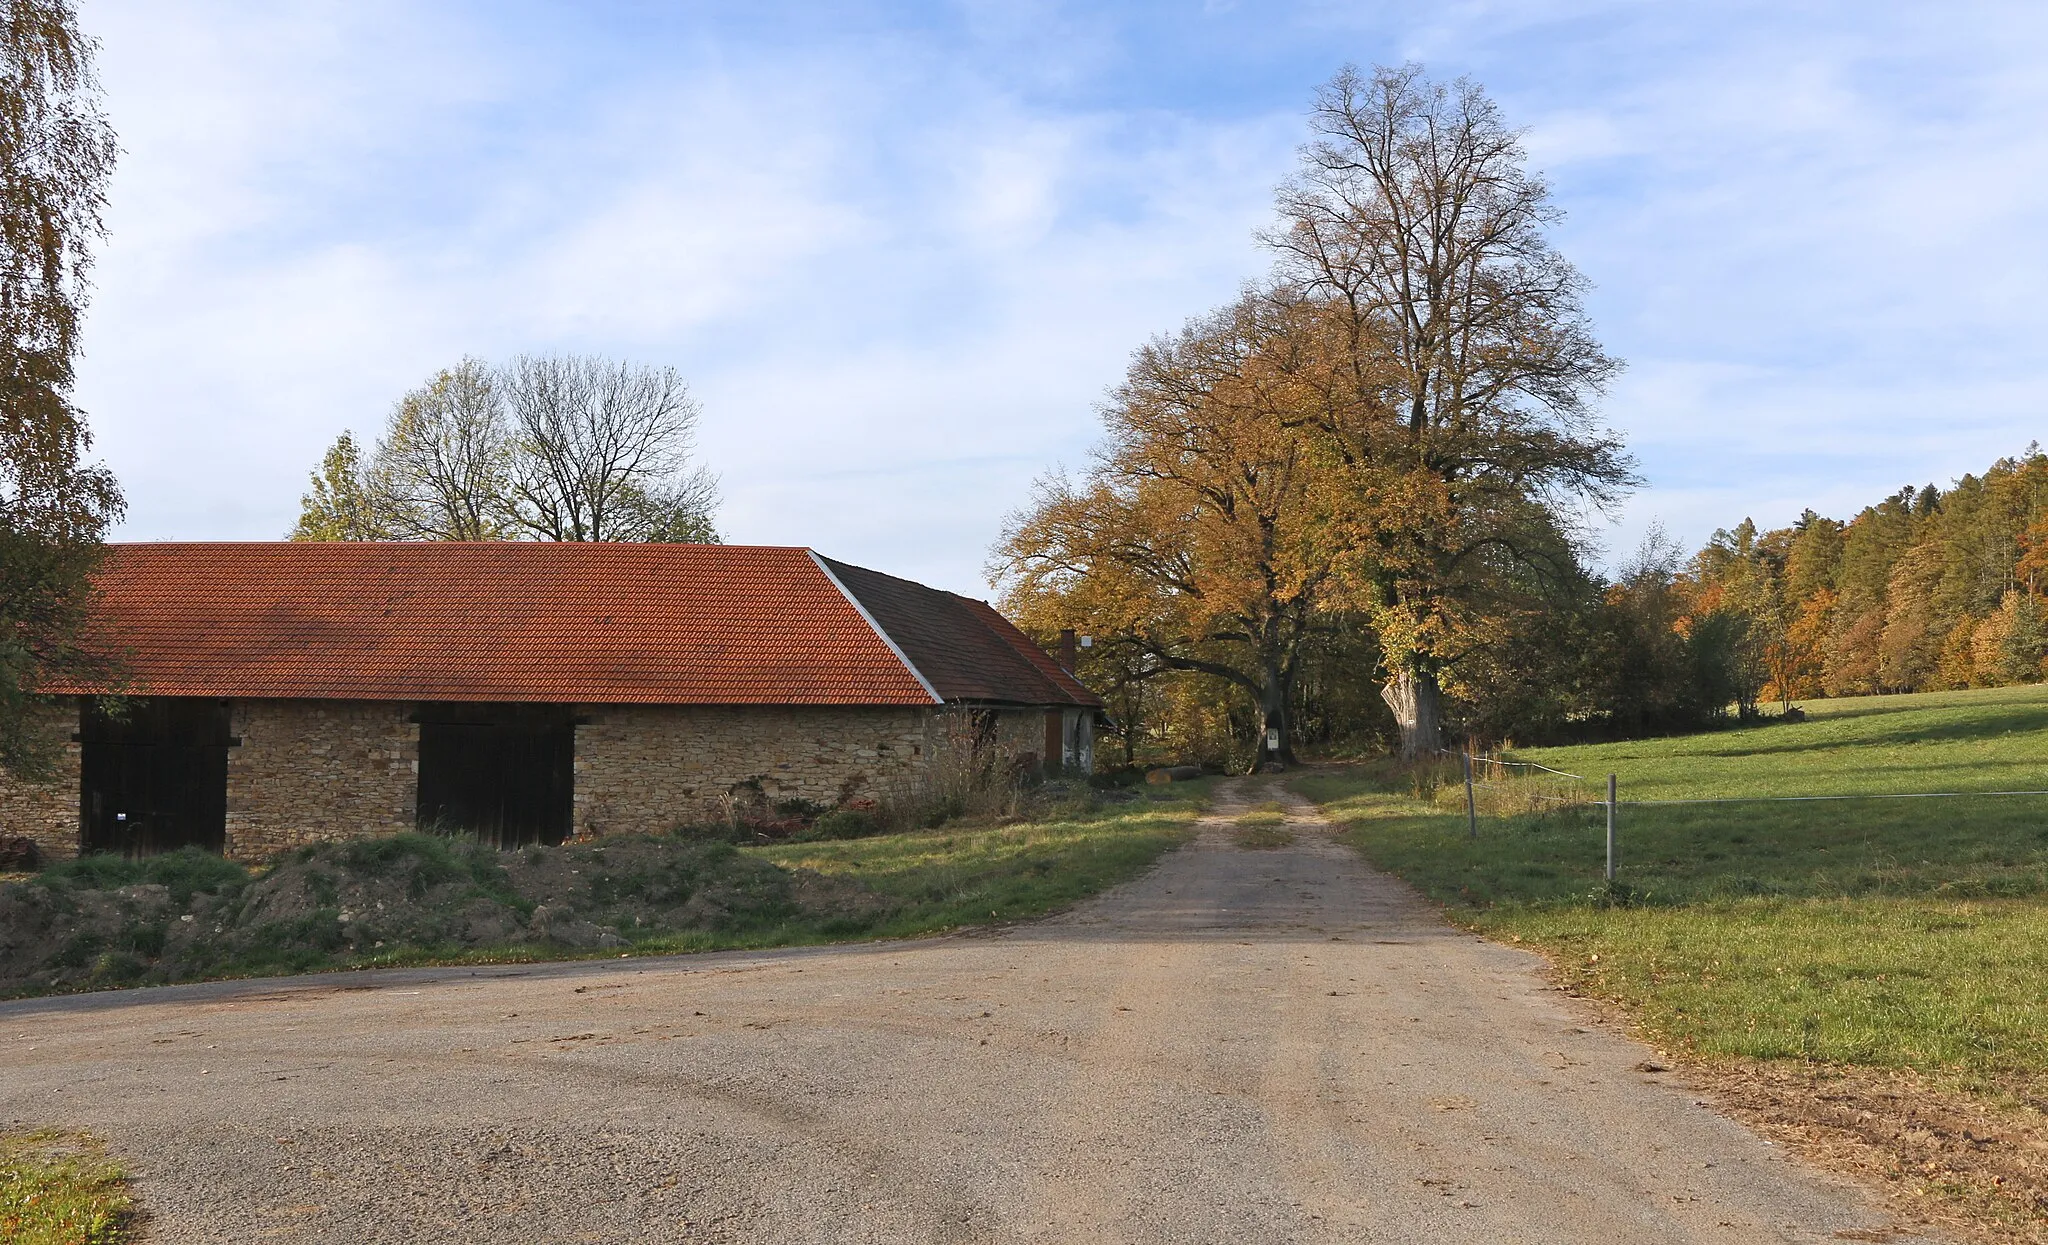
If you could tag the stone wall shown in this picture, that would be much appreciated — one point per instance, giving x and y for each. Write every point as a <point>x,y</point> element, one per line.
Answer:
<point>310,771</point>
<point>47,811</point>
<point>644,768</point>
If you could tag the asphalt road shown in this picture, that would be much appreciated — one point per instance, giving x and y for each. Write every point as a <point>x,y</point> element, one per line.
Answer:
<point>1242,1046</point>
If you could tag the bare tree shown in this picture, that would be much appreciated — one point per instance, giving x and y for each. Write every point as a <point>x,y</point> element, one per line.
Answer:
<point>603,451</point>
<point>441,469</point>
<point>1414,222</point>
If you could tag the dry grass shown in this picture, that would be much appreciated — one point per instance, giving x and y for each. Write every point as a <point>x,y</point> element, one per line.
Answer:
<point>1263,838</point>
<point>1966,1166</point>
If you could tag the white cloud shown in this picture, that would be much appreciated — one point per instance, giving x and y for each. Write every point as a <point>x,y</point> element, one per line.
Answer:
<point>901,263</point>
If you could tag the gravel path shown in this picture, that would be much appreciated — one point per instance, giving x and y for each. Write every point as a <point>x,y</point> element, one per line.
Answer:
<point>1241,1046</point>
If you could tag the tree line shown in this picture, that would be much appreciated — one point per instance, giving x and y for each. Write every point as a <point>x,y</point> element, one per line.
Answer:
<point>1928,589</point>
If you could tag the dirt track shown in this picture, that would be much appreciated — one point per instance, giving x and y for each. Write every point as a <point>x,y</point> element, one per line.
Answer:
<point>1242,1046</point>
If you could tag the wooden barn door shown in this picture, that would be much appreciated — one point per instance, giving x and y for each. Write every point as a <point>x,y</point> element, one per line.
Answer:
<point>505,773</point>
<point>155,778</point>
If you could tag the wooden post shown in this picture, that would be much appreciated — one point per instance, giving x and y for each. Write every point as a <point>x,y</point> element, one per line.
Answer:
<point>1611,861</point>
<point>1471,809</point>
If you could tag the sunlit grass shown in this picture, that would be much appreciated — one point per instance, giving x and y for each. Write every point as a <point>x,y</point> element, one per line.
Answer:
<point>962,875</point>
<point>1987,740</point>
<point>1951,989</point>
<point>60,1189</point>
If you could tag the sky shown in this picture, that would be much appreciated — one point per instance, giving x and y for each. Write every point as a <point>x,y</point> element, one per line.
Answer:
<point>901,251</point>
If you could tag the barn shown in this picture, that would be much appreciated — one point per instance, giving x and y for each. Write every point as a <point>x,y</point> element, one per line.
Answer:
<point>283,693</point>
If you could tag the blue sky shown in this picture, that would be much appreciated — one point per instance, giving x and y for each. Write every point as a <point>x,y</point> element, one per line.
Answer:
<point>900,251</point>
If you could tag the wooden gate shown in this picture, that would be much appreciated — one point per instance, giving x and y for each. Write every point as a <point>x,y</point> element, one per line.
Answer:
<point>505,773</point>
<point>155,777</point>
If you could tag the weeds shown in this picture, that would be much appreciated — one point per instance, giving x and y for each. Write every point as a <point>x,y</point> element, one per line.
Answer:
<point>419,898</point>
<point>61,1189</point>
<point>185,872</point>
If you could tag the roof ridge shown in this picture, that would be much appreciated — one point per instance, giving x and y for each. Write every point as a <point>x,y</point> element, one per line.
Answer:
<point>821,560</point>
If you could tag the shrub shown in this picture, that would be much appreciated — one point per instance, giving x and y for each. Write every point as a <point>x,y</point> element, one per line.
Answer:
<point>843,823</point>
<point>19,854</point>
<point>964,775</point>
<point>710,832</point>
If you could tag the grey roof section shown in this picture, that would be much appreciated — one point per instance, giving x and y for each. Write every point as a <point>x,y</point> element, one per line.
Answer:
<point>961,648</point>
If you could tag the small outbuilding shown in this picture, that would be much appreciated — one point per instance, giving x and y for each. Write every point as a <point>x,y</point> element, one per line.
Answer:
<point>286,693</point>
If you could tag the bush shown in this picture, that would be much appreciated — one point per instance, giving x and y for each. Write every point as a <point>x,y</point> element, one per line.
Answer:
<point>843,823</point>
<point>19,854</point>
<point>710,832</point>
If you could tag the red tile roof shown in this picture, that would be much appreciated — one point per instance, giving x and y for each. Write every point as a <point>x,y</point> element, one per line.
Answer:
<point>588,623</point>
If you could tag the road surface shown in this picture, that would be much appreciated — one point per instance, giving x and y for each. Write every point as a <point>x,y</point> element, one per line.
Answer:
<point>1241,1046</point>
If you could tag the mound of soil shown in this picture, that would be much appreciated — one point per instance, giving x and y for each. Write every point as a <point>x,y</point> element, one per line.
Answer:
<point>100,922</point>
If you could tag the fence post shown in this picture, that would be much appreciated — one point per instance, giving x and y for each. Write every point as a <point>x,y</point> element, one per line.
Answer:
<point>1471,809</point>
<point>1611,861</point>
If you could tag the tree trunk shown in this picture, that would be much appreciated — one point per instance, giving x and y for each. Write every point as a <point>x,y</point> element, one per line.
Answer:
<point>1273,717</point>
<point>1417,702</point>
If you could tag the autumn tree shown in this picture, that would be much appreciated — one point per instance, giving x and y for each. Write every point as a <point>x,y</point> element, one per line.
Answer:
<point>443,466</point>
<point>1416,227</point>
<point>340,505</point>
<point>1194,542</point>
<point>56,153</point>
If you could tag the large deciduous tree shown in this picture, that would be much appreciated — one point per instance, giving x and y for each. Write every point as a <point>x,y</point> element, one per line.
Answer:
<point>1194,541</point>
<point>1414,222</point>
<point>442,468</point>
<point>604,451</point>
<point>56,152</point>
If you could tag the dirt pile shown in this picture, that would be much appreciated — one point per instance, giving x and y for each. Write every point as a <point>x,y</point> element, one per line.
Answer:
<point>108,922</point>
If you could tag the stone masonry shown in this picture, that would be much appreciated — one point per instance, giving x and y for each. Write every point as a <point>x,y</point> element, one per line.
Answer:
<point>644,768</point>
<point>47,811</point>
<point>311,771</point>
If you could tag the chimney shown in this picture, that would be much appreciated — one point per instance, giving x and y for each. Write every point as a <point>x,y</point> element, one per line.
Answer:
<point>1067,651</point>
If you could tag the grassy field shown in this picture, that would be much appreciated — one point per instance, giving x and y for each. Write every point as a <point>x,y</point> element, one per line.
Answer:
<point>1905,934</point>
<point>59,1189</point>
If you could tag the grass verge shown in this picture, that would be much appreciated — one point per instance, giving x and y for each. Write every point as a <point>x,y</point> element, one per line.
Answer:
<point>1841,944</point>
<point>945,878</point>
<point>419,900</point>
<point>61,1189</point>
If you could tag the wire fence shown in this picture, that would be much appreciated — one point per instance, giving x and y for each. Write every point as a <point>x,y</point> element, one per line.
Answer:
<point>1493,786</point>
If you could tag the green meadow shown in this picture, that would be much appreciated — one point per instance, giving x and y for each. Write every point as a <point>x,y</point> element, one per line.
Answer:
<point>1897,933</point>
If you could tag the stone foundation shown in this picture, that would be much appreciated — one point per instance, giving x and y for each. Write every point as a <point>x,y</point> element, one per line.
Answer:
<point>47,811</point>
<point>312,771</point>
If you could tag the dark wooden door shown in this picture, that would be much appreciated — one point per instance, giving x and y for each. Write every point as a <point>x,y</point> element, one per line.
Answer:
<point>504,773</point>
<point>154,777</point>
